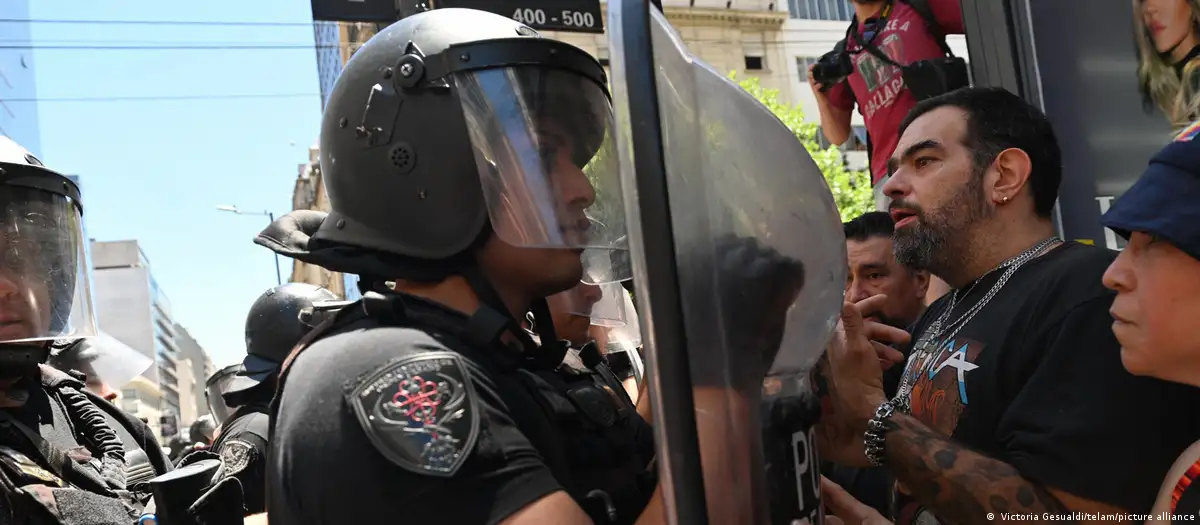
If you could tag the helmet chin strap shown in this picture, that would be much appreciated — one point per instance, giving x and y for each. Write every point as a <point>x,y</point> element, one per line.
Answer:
<point>543,324</point>
<point>22,359</point>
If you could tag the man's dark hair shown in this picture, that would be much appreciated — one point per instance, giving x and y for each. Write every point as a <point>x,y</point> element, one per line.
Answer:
<point>869,225</point>
<point>998,120</point>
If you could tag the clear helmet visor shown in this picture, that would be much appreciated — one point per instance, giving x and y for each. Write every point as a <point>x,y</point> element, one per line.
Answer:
<point>543,143</point>
<point>605,265</point>
<point>603,304</point>
<point>45,287</point>
<point>103,358</point>
<point>626,337</point>
<point>215,387</point>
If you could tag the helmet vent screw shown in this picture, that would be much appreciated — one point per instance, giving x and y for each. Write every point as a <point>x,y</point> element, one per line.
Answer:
<point>406,70</point>
<point>343,122</point>
<point>403,157</point>
<point>341,223</point>
<point>387,72</point>
<point>465,57</point>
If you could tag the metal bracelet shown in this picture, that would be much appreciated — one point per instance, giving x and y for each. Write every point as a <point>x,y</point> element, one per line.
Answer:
<point>874,435</point>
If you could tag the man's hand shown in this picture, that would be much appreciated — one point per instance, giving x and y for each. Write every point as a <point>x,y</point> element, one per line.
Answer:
<point>840,431</point>
<point>818,89</point>
<point>845,509</point>
<point>855,355</point>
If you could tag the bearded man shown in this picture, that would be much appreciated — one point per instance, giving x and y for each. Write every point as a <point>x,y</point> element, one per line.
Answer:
<point>1014,401</point>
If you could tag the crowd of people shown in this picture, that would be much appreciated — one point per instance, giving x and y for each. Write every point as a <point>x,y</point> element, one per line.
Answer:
<point>493,370</point>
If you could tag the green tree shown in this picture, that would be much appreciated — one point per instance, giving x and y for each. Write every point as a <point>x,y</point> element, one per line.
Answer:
<point>851,189</point>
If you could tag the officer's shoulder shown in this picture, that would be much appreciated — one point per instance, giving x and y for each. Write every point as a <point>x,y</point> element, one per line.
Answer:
<point>369,343</point>
<point>255,423</point>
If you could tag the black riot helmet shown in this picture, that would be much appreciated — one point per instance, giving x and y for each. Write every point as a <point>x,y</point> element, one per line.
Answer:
<point>43,261</point>
<point>276,322</point>
<point>468,123</point>
<point>452,125</point>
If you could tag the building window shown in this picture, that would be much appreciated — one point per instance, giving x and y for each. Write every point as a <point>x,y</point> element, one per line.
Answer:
<point>820,9</point>
<point>754,63</point>
<point>802,65</point>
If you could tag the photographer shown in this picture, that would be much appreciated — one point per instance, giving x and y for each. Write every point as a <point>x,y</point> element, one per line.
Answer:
<point>894,54</point>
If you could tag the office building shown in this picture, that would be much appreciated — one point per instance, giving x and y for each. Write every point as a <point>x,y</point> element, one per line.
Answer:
<point>18,110</point>
<point>197,366</point>
<point>131,307</point>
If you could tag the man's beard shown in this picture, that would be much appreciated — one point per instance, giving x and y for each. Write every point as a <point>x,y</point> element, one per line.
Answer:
<point>939,241</point>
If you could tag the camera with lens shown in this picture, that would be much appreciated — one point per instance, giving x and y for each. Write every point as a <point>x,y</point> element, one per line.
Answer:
<point>833,67</point>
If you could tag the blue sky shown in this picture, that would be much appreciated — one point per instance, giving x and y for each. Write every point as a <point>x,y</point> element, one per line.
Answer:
<point>154,170</point>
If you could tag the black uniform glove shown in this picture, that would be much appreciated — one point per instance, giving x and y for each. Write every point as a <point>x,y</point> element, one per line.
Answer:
<point>756,285</point>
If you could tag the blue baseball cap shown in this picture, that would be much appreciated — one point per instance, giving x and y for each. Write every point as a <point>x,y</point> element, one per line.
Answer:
<point>1165,201</point>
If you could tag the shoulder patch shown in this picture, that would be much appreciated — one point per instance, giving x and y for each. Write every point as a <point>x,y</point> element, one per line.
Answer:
<point>420,412</point>
<point>237,455</point>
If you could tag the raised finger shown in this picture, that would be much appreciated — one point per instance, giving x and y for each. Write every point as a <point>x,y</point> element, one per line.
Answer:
<point>885,334</point>
<point>871,306</point>
<point>852,321</point>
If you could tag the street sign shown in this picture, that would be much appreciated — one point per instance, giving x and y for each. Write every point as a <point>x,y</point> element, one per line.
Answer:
<point>355,10</point>
<point>575,16</point>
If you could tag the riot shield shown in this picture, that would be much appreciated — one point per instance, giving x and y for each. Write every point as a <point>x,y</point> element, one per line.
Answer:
<point>739,256</point>
<point>215,388</point>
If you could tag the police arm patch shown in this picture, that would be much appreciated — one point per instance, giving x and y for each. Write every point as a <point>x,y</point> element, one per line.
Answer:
<point>236,454</point>
<point>420,412</point>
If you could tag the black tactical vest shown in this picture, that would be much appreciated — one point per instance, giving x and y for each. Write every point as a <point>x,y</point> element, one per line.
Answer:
<point>45,483</point>
<point>582,424</point>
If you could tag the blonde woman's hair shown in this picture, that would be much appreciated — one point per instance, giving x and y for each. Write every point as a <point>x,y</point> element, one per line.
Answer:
<point>1176,95</point>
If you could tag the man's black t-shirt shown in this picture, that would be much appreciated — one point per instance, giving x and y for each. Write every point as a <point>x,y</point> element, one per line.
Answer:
<point>324,468</point>
<point>1035,380</point>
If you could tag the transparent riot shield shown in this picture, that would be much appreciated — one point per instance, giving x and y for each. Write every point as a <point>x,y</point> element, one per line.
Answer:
<point>739,256</point>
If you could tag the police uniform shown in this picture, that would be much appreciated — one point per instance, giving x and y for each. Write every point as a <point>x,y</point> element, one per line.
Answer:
<point>242,443</point>
<point>114,365</point>
<point>450,129</point>
<point>61,461</point>
<point>276,322</point>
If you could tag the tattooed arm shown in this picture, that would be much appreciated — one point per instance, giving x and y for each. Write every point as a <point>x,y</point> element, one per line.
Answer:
<point>962,486</point>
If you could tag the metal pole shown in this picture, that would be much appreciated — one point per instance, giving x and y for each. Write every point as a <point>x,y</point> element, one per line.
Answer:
<point>278,273</point>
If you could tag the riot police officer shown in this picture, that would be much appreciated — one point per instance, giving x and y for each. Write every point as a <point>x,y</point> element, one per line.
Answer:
<point>276,322</point>
<point>61,461</point>
<point>465,159</point>
<point>103,363</point>
<point>214,390</point>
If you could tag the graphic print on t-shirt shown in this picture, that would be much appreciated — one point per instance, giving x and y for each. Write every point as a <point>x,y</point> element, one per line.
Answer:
<point>938,397</point>
<point>883,80</point>
<point>939,383</point>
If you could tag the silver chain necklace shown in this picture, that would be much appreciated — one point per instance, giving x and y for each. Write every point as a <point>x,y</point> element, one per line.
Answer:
<point>925,346</point>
